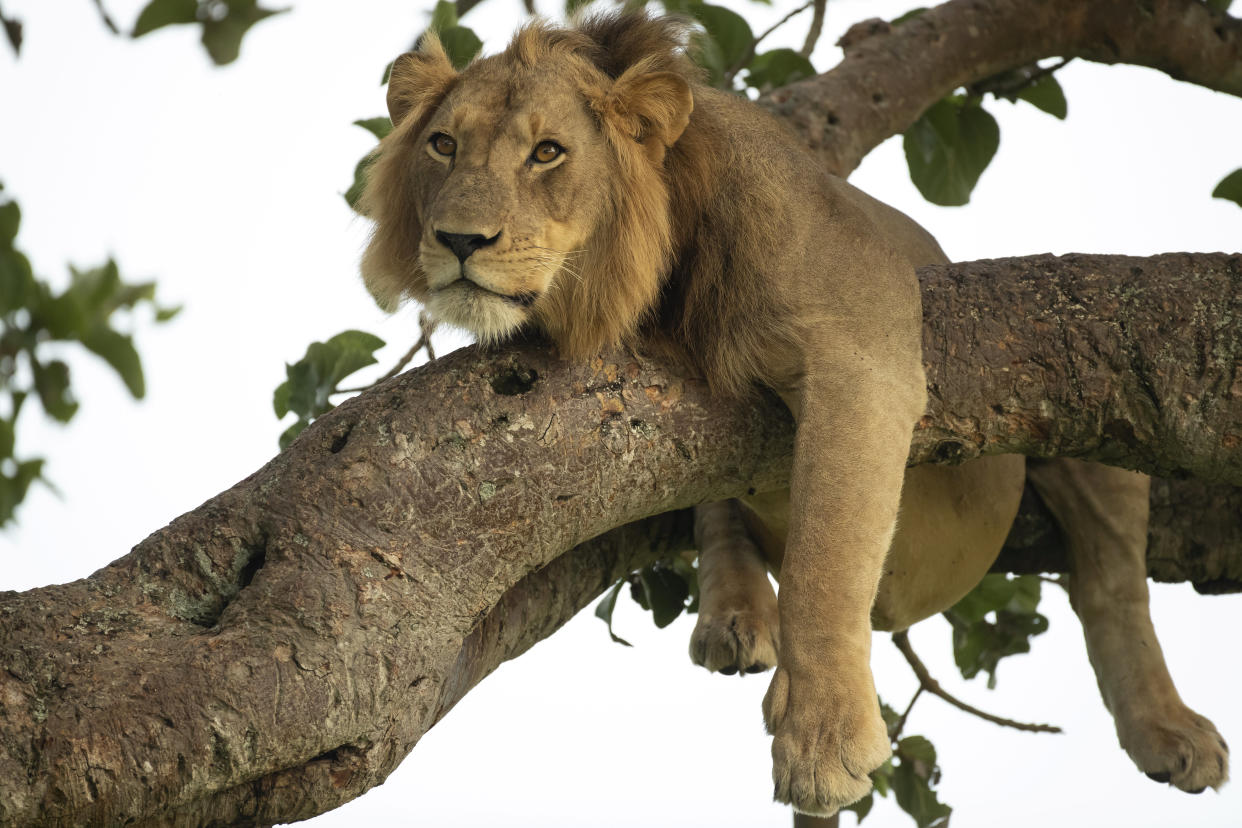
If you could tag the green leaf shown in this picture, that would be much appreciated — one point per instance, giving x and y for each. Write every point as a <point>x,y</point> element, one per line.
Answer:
<point>1230,188</point>
<point>461,44</point>
<point>10,219</point>
<point>354,193</point>
<point>379,127</point>
<point>280,400</point>
<point>862,807</point>
<point>917,747</point>
<point>913,780</point>
<point>728,30</point>
<point>7,438</point>
<point>665,591</point>
<point>1219,5</point>
<point>444,16</point>
<point>355,350</point>
<point>908,16</point>
<point>312,380</point>
<point>948,148</point>
<point>165,314</point>
<point>52,384</point>
<point>979,643</point>
<point>288,435</point>
<point>13,487</point>
<point>1046,94</point>
<point>605,608</point>
<point>572,6</point>
<point>916,797</point>
<point>17,284</point>
<point>160,13</point>
<point>777,68</point>
<point>118,351</point>
<point>222,36</point>
<point>706,53</point>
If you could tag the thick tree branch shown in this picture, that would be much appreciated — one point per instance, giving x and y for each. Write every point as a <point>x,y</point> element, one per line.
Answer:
<point>278,650</point>
<point>891,75</point>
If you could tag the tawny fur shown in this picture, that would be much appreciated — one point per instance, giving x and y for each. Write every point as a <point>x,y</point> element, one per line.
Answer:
<point>683,220</point>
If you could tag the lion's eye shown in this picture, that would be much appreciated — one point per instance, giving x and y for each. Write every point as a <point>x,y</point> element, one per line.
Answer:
<point>547,152</point>
<point>443,144</point>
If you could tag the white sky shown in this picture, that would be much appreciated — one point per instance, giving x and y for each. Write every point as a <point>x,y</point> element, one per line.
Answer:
<point>225,186</point>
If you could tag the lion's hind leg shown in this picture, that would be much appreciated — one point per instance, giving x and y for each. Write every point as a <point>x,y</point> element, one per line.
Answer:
<point>1103,512</point>
<point>738,627</point>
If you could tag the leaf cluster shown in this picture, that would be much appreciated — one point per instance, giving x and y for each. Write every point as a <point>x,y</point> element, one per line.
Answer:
<point>34,318</point>
<point>912,776</point>
<point>312,380</point>
<point>997,618</point>
<point>666,589</point>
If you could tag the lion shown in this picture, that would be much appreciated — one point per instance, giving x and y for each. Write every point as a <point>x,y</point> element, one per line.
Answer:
<point>586,184</point>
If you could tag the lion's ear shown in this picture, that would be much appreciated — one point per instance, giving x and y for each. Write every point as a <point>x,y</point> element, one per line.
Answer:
<point>418,79</point>
<point>653,107</point>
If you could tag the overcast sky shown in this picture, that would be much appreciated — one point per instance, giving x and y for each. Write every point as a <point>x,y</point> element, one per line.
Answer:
<point>224,185</point>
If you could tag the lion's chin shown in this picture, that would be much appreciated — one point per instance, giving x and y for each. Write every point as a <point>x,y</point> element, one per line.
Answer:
<point>489,316</point>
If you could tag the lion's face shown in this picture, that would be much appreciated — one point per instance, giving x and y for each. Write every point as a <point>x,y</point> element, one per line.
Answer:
<point>512,178</point>
<point>527,189</point>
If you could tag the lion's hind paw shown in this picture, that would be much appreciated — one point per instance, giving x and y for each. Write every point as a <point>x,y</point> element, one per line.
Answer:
<point>1183,749</point>
<point>732,642</point>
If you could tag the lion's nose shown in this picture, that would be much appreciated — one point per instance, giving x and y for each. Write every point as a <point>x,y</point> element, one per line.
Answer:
<point>464,244</point>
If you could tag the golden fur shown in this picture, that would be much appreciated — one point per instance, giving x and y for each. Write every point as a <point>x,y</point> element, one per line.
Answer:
<point>585,183</point>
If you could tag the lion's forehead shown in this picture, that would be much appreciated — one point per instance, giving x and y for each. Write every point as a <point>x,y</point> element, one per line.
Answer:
<point>519,106</point>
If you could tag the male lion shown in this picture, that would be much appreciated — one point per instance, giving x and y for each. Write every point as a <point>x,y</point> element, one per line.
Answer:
<point>585,183</point>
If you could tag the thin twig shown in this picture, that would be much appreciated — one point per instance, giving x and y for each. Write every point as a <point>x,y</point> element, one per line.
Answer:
<point>900,724</point>
<point>107,20</point>
<point>817,28</point>
<point>13,31</point>
<point>902,640</point>
<point>1028,78</point>
<point>750,53</point>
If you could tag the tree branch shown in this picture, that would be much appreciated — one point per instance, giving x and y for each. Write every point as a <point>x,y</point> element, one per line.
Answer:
<point>926,682</point>
<point>278,650</point>
<point>844,113</point>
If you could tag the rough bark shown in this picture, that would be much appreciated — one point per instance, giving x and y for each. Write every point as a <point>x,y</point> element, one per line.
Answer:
<point>278,650</point>
<point>890,75</point>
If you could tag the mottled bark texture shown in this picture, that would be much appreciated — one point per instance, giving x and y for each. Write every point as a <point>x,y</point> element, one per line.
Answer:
<point>891,74</point>
<point>277,651</point>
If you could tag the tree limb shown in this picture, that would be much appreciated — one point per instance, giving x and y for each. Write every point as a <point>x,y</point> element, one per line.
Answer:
<point>279,650</point>
<point>891,75</point>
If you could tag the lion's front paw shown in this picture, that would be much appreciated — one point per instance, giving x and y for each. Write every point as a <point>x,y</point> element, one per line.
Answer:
<point>1177,746</point>
<point>824,745</point>
<point>730,641</point>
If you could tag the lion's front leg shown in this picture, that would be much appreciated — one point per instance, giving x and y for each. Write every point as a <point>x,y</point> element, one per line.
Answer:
<point>854,430</point>
<point>1103,512</point>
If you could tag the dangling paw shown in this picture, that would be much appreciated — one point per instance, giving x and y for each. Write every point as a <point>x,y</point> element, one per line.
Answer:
<point>824,745</point>
<point>1177,746</point>
<point>736,640</point>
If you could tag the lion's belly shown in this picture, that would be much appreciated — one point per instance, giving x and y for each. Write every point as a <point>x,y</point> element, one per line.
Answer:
<point>953,522</point>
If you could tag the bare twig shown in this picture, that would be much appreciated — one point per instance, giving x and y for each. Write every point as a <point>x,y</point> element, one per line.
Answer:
<point>750,53</point>
<point>107,20</point>
<point>1008,85</point>
<point>926,682</point>
<point>900,724</point>
<point>817,28</point>
<point>13,31</point>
